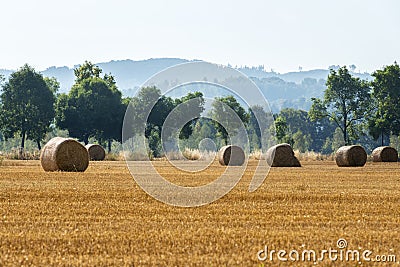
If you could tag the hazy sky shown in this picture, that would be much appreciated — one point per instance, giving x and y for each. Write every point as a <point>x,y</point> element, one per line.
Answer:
<point>281,35</point>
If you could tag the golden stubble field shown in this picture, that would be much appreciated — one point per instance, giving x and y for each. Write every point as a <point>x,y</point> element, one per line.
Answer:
<point>102,218</point>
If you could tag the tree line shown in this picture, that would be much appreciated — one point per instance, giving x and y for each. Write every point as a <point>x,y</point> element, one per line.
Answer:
<point>351,111</point>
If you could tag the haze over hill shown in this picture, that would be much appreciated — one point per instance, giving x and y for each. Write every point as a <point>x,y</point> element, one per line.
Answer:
<point>293,89</point>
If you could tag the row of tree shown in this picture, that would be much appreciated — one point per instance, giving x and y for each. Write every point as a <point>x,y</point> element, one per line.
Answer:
<point>356,105</point>
<point>351,111</point>
<point>30,106</point>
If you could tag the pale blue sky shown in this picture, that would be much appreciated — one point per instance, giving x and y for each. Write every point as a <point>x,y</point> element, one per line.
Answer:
<point>281,35</point>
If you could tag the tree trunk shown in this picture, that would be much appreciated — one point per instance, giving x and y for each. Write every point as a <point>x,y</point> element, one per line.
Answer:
<point>382,139</point>
<point>109,146</point>
<point>21,149</point>
<point>345,135</point>
<point>86,140</point>
<point>23,140</point>
<point>38,144</point>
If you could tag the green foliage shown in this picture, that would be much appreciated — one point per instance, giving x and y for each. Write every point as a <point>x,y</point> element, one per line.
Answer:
<point>221,117</point>
<point>282,131</point>
<point>203,128</point>
<point>87,70</point>
<point>257,127</point>
<point>26,106</point>
<point>149,101</point>
<point>301,141</point>
<point>92,108</point>
<point>385,119</point>
<point>333,143</point>
<point>314,132</point>
<point>196,107</point>
<point>52,83</point>
<point>346,101</point>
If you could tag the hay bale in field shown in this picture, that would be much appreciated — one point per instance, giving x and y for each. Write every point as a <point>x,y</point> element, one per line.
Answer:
<point>351,156</point>
<point>64,154</point>
<point>282,155</point>
<point>231,155</point>
<point>96,152</point>
<point>385,154</point>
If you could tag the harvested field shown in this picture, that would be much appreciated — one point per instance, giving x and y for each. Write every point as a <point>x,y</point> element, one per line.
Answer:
<point>102,218</point>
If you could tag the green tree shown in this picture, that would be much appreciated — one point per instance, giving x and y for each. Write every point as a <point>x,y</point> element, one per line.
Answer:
<point>26,106</point>
<point>110,128</point>
<point>258,124</point>
<point>333,143</point>
<point>346,102</point>
<point>53,84</point>
<point>385,118</point>
<point>297,120</point>
<point>148,110</point>
<point>92,108</point>
<point>87,70</point>
<point>299,128</point>
<point>222,117</point>
<point>195,108</point>
<point>282,131</point>
<point>301,141</point>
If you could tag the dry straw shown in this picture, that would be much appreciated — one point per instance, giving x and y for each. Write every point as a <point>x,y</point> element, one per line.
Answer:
<point>384,154</point>
<point>231,155</point>
<point>282,155</point>
<point>96,152</point>
<point>351,156</point>
<point>64,154</point>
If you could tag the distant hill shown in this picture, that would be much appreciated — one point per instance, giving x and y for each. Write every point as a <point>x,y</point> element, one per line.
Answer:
<point>297,76</point>
<point>292,89</point>
<point>129,74</point>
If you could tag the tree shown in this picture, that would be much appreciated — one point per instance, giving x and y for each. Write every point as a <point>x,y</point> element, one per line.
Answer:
<point>52,83</point>
<point>149,110</point>
<point>87,70</point>
<point>92,108</point>
<point>299,128</point>
<point>297,120</point>
<point>26,106</point>
<point>346,102</point>
<point>110,128</point>
<point>282,131</point>
<point>195,107</point>
<point>305,134</point>
<point>221,117</point>
<point>258,127</point>
<point>301,141</point>
<point>385,118</point>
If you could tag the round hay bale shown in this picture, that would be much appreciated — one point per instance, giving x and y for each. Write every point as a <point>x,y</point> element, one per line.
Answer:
<point>64,154</point>
<point>282,155</point>
<point>384,154</point>
<point>96,152</point>
<point>231,155</point>
<point>351,156</point>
